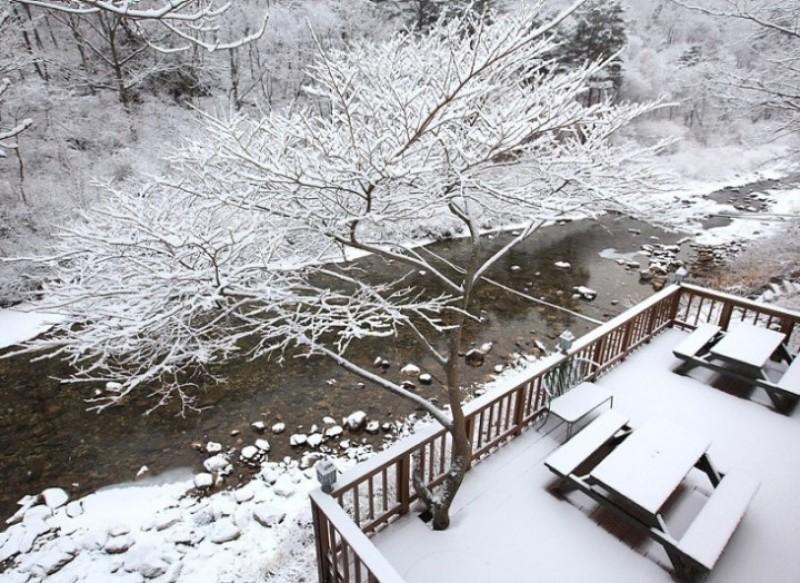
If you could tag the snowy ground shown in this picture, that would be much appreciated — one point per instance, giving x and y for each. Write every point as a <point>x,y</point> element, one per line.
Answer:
<point>507,526</point>
<point>154,531</point>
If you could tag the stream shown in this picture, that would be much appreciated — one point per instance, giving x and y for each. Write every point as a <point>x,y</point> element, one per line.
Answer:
<point>49,439</point>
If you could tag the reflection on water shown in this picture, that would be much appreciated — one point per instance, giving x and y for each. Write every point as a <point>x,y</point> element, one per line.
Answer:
<point>47,438</point>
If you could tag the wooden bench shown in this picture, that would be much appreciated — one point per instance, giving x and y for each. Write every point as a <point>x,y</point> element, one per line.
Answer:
<point>578,402</point>
<point>691,346</point>
<point>703,542</point>
<point>566,459</point>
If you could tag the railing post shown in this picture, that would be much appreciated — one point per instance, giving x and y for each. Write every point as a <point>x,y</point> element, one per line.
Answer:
<point>469,426</point>
<point>403,479</point>
<point>323,546</point>
<point>787,325</point>
<point>673,306</point>
<point>519,408</point>
<point>725,316</point>
<point>626,339</point>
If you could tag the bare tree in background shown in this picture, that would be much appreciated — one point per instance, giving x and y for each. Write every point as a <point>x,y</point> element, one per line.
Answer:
<point>234,253</point>
<point>775,85</point>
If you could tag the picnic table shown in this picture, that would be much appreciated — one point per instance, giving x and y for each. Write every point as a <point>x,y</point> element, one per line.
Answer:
<point>742,352</point>
<point>648,466</point>
<point>643,469</point>
<point>748,346</point>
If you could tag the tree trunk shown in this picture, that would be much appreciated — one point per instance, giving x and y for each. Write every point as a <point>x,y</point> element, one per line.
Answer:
<point>461,454</point>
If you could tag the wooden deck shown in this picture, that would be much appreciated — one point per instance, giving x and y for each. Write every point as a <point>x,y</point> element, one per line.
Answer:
<point>378,493</point>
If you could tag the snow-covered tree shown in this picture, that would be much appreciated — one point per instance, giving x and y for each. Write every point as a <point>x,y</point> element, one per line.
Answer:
<point>236,251</point>
<point>193,22</point>
<point>773,84</point>
<point>134,43</point>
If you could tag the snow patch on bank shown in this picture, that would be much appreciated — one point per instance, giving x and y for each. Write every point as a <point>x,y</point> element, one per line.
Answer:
<point>750,227</point>
<point>24,323</point>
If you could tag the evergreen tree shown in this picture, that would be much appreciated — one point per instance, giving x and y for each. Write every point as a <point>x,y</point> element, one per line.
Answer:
<point>599,33</point>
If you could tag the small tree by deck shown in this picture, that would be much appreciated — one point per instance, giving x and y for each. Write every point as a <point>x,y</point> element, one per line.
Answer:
<point>423,132</point>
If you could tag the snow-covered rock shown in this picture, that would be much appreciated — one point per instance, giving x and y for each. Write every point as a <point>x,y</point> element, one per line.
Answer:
<point>258,426</point>
<point>314,440</point>
<point>498,368</point>
<point>250,453</point>
<point>425,378</point>
<point>356,420</point>
<point>562,264</point>
<point>298,439</point>
<point>263,445</point>
<point>474,357</point>
<point>213,447</point>
<point>118,544</point>
<point>284,486</point>
<point>516,268</point>
<point>279,427</point>
<point>224,531</point>
<point>328,420</point>
<point>373,427</point>
<point>54,497</point>
<point>218,464</point>
<point>268,516</point>
<point>167,519</point>
<point>585,292</point>
<point>410,370</point>
<point>203,480</point>
<point>334,431</point>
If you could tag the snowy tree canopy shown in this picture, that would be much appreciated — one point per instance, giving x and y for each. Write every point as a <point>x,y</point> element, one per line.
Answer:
<point>421,132</point>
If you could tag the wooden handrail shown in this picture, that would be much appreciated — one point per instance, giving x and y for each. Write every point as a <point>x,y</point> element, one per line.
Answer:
<point>379,568</point>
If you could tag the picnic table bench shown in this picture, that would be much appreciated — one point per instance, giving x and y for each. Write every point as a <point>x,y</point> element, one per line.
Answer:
<point>566,459</point>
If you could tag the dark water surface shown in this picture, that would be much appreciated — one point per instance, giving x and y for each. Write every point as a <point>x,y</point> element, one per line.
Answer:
<point>47,438</point>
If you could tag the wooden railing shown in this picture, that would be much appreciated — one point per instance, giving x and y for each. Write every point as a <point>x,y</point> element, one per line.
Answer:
<point>376,492</point>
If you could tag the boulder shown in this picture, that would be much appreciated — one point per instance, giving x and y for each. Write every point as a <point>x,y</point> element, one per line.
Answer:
<point>267,516</point>
<point>203,480</point>
<point>334,431</point>
<point>224,531</point>
<point>410,370</point>
<point>474,357</point>
<point>356,420</point>
<point>263,445</point>
<point>314,440</point>
<point>298,439</point>
<point>54,497</point>
<point>118,544</point>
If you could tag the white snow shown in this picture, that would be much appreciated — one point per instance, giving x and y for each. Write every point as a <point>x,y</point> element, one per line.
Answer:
<point>508,526</point>
<point>24,323</point>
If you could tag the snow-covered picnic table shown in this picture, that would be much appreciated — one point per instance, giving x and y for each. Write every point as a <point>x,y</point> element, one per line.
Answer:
<point>748,345</point>
<point>650,464</point>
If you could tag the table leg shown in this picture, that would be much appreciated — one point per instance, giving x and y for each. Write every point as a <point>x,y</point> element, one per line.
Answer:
<point>704,465</point>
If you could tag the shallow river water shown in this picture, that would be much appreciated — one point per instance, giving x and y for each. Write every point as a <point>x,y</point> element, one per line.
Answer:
<point>48,438</point>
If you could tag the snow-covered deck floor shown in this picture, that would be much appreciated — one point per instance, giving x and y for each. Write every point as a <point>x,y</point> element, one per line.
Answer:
<point>509,526</point>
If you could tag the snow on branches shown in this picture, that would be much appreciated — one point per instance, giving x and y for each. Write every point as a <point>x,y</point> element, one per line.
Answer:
<point>194,22</point>
<point>467,125</point>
